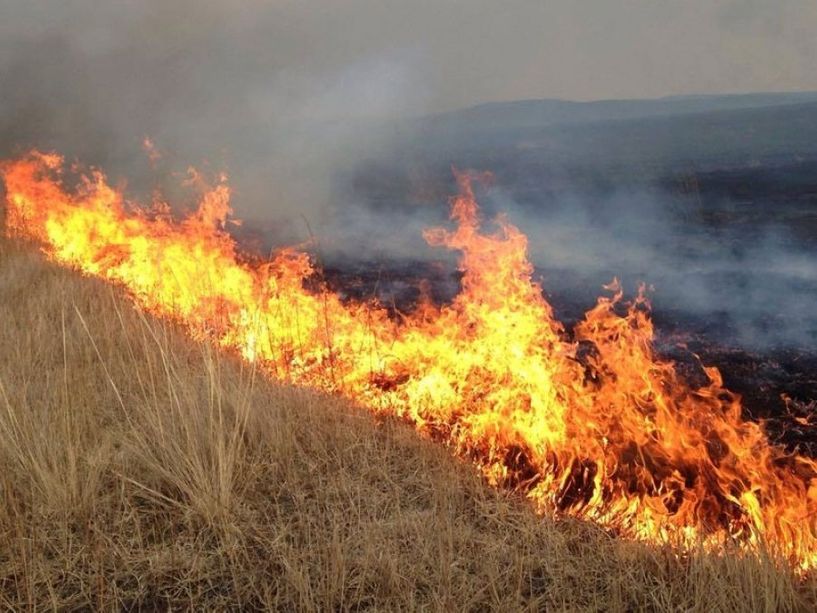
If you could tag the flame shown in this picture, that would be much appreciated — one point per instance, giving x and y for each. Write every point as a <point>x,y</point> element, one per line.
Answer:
<point>590,423</point>
<point>150,149</point>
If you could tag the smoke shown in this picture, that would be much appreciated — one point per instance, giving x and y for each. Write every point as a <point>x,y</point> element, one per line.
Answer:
<point>737,273</point>
<point>750,285</point>
<point>305,108</point>
<point>227,86</point>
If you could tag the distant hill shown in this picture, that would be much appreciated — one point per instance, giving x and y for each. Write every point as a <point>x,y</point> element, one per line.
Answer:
<point>639,138</point>
<point>537,113</point>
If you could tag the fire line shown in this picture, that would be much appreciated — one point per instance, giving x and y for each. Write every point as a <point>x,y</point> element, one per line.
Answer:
<point>589,423</point>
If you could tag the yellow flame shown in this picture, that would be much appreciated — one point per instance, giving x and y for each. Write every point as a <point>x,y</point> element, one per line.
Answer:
<point>610,432</point>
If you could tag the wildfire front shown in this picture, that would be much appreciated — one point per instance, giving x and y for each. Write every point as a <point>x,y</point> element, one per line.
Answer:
<point>587,422</point>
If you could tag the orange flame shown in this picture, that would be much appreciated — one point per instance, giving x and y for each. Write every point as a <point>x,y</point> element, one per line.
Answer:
<point>593,424</point>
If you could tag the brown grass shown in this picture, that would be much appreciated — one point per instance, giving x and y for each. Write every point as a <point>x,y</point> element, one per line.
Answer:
<point>140,470</point>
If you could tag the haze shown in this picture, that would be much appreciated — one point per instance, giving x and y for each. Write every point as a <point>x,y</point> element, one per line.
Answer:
<point>389,57</point>
<point>299,102</point>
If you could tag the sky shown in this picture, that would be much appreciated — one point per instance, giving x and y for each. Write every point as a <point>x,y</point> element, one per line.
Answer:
<point>391,57</point>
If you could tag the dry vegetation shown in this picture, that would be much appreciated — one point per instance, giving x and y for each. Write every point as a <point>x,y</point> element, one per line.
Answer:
<point>139,470</point>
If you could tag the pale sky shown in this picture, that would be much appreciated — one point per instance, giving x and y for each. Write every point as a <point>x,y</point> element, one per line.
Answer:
<point>395,57</point>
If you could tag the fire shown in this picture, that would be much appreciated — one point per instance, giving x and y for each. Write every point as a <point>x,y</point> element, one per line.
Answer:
<point>154,155</point>
<point>589,423</point>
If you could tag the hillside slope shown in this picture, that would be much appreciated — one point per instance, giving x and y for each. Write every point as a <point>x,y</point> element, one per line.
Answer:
<point>141,470</point>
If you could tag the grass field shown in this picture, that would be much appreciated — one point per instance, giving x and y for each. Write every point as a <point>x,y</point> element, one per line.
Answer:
<point>140,470</point>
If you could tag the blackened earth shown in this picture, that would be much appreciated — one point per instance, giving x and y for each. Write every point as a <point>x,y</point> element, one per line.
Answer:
<point>778,385</point>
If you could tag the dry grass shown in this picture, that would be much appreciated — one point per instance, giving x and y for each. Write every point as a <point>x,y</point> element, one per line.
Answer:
<point>141,470</point>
